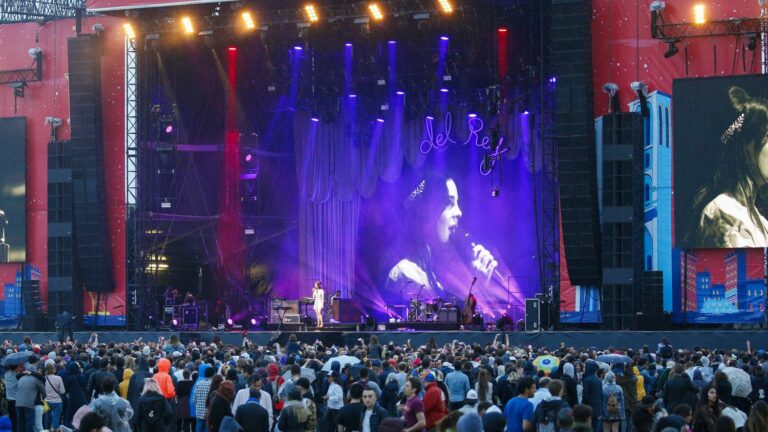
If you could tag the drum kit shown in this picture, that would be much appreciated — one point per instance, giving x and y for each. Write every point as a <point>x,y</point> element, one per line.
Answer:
<point>419,310</point>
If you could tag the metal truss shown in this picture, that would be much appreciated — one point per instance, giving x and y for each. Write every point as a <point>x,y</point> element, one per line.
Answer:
<point>34,10</point>
<point>685,30</point>
<point>131,179</point>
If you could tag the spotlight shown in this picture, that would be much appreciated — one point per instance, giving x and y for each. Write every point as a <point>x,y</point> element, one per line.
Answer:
<point>502,30</point>
<point>315,119</point>
<point>34,52</point>
<point>657,5</point>
<point>311,13</point>
<point>229,321</point>
<point>472,115</point>
<point>752,44</point>
<point>673,49</point>
<point>248,20</point>
<point>699,12</point>
<point>253,321</point>
<point>128,30</point>
<point>175,322</point>
<point>445,6</point>
<point>380,120</point>
<point>186,22</point>
<point>375,11</point>
<point>613,98</point>
<point>444,38</point>
<point>169,129</point>
<point>400,93</point>
<point>232,48</point>
<point>248,157</point>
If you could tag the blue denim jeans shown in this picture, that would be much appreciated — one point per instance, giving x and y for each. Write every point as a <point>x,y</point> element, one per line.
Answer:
<point>52,418</point>
<point>200,425</point>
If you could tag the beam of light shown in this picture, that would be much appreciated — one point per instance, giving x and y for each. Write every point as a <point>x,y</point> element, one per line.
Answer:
<point>129,32</point>
<point>502,49</point>
<point>186,22</point>
<point>250,24</point>
<point>311,13</point>
<point>348,57</point>
<point>376,12</point>
<point>445,6</point>
<point>699,14</point>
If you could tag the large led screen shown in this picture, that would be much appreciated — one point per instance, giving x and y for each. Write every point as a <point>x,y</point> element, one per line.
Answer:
<point>721,162</point>
<point>13,171</point>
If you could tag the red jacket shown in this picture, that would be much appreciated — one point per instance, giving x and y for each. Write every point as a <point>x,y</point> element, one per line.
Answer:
<point>434,405</point>
<point>164,379</point>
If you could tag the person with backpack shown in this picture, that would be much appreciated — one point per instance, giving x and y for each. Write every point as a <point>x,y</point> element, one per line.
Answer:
<point>153,411</point>
<point>546,413</point>
<point>613,405</point>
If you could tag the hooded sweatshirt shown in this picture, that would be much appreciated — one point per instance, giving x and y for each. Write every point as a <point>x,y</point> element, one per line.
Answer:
<point>200,378</point>
<point>640,383</point>
<point>164,379</point>
<point>123,386</point>
<point>275,381</point>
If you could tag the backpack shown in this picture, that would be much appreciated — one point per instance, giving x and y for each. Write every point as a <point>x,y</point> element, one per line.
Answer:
<point>613,405</point>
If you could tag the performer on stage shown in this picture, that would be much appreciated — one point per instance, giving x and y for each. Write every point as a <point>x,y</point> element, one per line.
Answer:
<point>319,296</point>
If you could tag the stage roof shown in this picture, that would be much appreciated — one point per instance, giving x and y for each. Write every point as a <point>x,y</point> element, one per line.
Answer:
<point>118,5</point>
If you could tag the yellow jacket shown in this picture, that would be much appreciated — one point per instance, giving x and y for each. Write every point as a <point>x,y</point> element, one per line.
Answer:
<point>640,383</point>
<point>123,387</point>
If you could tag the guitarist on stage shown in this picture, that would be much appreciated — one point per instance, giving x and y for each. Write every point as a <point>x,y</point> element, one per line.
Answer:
<point>469,305</point>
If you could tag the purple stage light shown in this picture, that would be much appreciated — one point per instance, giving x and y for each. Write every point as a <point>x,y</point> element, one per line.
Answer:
<point>253,321</point>
<point>443,90</point>
<point>348,44</point>
<point>229,321</point>
<point>392,42</point>
<point>315,119</point>
<point>553,80</point>
<point>445,38</point>
<point>175,322</point>
<point>430,118</point>
<point>169,129</point>
<point>298,48</point>
<point>525,112</point>
<point>471,115</point>
<point>400,93</point>
<point>380,120</point>
<point>353,95</point>
<point>248,157</point>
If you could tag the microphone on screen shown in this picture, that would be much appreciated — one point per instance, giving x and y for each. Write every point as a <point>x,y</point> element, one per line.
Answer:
<point>466,244</point>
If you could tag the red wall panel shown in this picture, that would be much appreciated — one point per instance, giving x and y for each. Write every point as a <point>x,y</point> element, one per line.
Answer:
<point>623,50</point>
<point>50,97</point>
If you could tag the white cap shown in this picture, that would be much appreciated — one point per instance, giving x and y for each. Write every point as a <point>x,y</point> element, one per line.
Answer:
<point>472,395</point>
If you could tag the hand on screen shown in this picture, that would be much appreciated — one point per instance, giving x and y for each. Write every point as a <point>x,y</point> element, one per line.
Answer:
<point>407,270</point>
<point>483,261</point>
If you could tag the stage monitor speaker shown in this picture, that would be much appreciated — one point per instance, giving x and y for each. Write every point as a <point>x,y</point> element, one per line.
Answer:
<point>448,315</point>
<point>346,311</point>
<point>532,315</point>
<point>293,309</point>
<point>291,319</point>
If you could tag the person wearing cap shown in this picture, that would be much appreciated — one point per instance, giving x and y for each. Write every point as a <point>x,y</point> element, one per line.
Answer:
<point>470,403</point>
<point>373,414</point>
<point>519,410</point>
<point>334,399</point>
<point>457,383</point>
<point>434,402</point>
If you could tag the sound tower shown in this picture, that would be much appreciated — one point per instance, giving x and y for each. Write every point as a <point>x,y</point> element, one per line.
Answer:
<point>650,315</point>
<point>623,137</point>
<point>32,304</point>
<point>570,48</point>
<point>93,259</point>
<point>64,294</point>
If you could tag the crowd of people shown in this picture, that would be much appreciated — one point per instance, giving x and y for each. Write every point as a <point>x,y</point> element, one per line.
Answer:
<point>377,386</point>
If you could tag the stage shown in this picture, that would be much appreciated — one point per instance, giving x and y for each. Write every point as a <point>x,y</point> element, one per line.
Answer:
<point>720,339</point>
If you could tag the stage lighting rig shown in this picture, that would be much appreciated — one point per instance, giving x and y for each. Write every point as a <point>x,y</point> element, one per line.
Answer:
<point>672,49</point>
<point>612,89</point>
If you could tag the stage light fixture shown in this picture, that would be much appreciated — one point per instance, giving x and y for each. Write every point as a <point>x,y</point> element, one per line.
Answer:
<point>311,13</point>
<point>502,30</point>
<point>129,32</point>
<point>657,5</point>
<point>752,44</point>
<point>175,322</point>
<point>229,321</point>
<point>186,23</point>
<point>376,11</point>
<point>248,21</point>
<point>699,14</point>
<point>642,94</point>
<point>673,49</point>
<point>472,115</point>
<point>612,90</point>
<point>445,6</point>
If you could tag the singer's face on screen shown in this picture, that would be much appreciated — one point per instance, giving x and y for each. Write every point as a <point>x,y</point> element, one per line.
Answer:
<point>450,214</point>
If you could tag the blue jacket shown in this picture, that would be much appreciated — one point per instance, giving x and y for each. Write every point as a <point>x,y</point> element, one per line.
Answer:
<point>611,388</point>
<point>200,376</point>
<point>458,386</point>
<point>592,394</point>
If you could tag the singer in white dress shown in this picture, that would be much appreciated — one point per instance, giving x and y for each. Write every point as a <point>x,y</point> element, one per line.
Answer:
<point>318,295</point>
